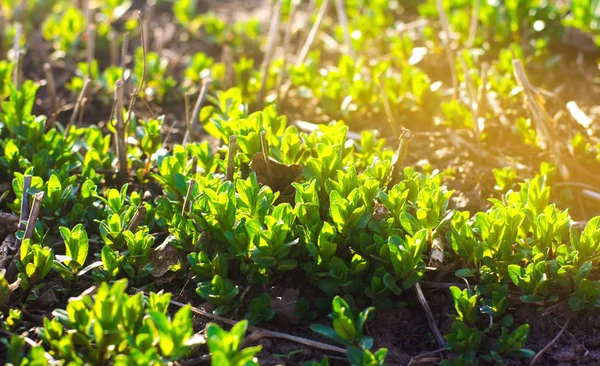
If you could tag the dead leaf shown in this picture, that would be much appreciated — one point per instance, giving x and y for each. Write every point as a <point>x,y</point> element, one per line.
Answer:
<point>163,257</point>
<point>282,175</point>
<point>285,307</point>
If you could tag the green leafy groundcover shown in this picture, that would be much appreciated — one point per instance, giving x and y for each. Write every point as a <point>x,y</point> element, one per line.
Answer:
<point>343,228</point>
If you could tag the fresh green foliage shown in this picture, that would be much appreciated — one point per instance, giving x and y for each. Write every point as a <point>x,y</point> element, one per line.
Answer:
<point>225,347</point>
<point>348,331</point>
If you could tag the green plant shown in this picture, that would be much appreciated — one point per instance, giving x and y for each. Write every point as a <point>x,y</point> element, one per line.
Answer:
<point>225,347</point>
<point>348,331</point>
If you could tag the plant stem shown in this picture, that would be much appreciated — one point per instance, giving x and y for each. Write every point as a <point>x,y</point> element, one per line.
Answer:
<point>121,148</point>
<point>231,157</point>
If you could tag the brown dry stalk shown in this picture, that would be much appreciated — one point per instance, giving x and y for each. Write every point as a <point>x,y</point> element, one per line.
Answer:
<point>189,134</point>
<point>53,98</point>
<point>271,42</point>
<point>121,148</point>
